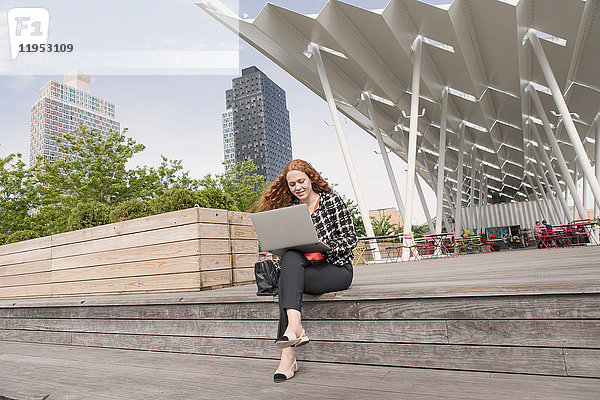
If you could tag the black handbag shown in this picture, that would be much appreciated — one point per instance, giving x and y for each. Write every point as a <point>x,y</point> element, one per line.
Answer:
<point>267,277</point>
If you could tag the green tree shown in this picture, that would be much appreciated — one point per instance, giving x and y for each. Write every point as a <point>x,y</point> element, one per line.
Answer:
<point>241,183</point>
<point>383,226</point>
<point>15,182</point>
<point>93,169</point>
<point>357,220</point>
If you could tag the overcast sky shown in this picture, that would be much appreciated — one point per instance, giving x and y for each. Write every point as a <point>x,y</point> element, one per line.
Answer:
<point>177,115</point>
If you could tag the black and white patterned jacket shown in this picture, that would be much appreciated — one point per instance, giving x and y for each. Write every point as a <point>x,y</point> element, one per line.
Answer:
<point>334,228</point>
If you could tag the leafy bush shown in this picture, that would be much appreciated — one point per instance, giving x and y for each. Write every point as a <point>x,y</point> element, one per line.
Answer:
<point>20,236</point>
<point>215,197</point>
<point>2,238</point>
<point>131,209</point>
<point>178,199</point>
<point>87,215</point>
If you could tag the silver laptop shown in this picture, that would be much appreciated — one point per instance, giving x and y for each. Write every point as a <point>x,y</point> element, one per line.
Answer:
<point>287,228</point>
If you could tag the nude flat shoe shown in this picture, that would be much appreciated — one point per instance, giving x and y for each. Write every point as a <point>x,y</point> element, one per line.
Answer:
<point>289,339</point>
<point>303,339</point>
<point>281,376</point>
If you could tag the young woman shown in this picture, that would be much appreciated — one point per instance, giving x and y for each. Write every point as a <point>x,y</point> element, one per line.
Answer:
<point>314,273</point>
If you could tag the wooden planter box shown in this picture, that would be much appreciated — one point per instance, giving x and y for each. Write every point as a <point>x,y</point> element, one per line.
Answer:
<point>187,250</point>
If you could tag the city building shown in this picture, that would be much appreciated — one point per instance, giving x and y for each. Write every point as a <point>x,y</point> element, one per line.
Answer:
<point>60,108</point>
<point>260,122</point>
<point>228,139</point>
<point>379,214</point>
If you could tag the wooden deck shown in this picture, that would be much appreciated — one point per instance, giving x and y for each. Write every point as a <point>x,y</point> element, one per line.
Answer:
<point>34,371</point>
<point>519,324</point>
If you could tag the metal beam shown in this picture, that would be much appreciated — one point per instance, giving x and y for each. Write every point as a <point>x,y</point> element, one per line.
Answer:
<point>441,162</point>
<point>412,145</point>
<point>563,110</point>
<point>564,170</point>
<point>384,154</point>
<point>541,151</point>
<point>343,143</point>
<point>459,179</point>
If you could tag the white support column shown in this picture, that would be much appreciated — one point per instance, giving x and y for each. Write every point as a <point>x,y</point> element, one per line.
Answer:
<point>584,195</point>
<point>384,154</point>
<point>480,225</point>
<point>412,145</point>
<point>549,196</point>
<point>343,144</point>
<point>597,162</point>
<point>550,218</point>
<point>561,105</point>
<point>424,204</point>
<point>441,162</point>
<point>541,151</point>
<point>576,179</point>
<point>472,196</point>
<point>485,219</point>
<point>459,179</point>
<point>564,170</point>
<point>537,201</point>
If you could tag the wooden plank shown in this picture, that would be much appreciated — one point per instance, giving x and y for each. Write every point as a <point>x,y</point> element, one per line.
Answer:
<point>570,333</point>
<point>70,366</point>
<point>142,268</point>
<point>582,362</point>
<point>215,278</point>
<point>245,246</point>
<point>25,268</point>
<point>243,276</point>
<point>584,306</point>
<point>239,218</point>
<point>153,222</point>
<point>243,232</point>
<point>244,260</point>
<point>142,253</point>
<point>530,360</point>
<point>129,285</point>
<point>173,234</point>
<point>35,336</point>
<point>267,309</point>
<point>10,292</point>
<point>260,311</point>
<point>338,331</point>
<point>26,256</point>
<point>215,261</point>
<point>474,358</point>
<point>212,215</point>
<point>213,231</point>
<point>214,246</point>
<point>25,279</point>
<point>24,246</point>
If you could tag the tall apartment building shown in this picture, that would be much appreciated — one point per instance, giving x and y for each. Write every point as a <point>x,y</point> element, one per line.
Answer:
<point>260,122</point>
<point>60,108</point>
<point>228,139</point>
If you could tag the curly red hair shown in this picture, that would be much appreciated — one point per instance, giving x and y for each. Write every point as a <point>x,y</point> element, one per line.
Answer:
<point>278,194</point>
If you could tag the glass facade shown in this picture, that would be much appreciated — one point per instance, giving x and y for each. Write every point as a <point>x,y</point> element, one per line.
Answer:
<point>60,109</point>
<point>260,121</point>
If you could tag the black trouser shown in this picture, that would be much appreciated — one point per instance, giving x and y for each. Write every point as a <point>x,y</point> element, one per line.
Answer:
<point>298,275</point>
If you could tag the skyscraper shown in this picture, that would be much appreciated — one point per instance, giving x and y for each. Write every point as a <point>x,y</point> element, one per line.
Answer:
<point>260,122</point>
<point>61,108</point>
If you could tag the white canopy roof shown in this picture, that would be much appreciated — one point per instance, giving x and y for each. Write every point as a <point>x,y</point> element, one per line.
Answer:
<point>487,70</point>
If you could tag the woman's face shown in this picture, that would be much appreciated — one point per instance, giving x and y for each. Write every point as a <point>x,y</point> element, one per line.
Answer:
<point>300,184</point>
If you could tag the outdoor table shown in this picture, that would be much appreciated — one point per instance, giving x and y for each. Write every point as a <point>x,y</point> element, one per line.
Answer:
<point>445,242</point>
<point>360,251</point>
<point>469,244</point>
